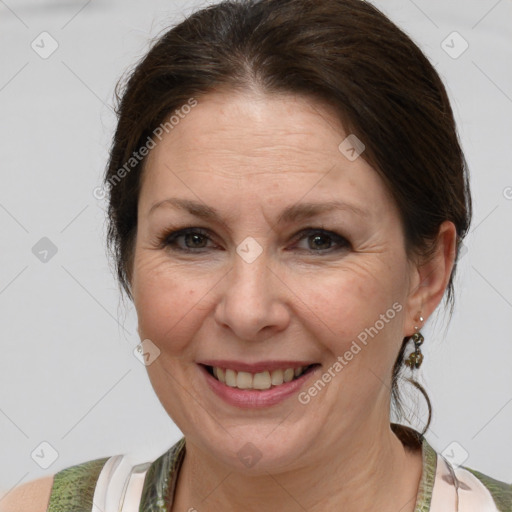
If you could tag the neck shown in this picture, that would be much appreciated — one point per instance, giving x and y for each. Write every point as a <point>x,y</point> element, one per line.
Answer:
<point>372,467</point>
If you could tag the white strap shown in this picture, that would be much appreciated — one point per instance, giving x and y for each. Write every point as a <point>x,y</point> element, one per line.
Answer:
<point>458,490</point>
<point>444,494</point>
<point>102,484</point>
<point>133,493</point>
<point>473,495</point>
<point>119,485</point>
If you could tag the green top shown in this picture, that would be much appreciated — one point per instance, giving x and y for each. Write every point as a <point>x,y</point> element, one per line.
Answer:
<point>73,487</point>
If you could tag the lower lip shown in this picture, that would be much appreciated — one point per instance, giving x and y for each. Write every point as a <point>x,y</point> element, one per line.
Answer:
<point>251,399</point>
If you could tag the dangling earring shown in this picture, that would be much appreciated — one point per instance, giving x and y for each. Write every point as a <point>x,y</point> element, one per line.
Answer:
<point>415,358</point>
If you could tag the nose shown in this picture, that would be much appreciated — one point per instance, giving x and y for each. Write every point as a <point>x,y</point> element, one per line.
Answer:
<point>253,303</point>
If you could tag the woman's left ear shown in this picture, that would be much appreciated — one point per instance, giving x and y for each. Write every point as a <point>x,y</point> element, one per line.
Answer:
<point>430,278</point>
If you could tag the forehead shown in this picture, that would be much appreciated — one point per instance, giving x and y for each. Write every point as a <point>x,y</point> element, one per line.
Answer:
<point>253,124</point>
<point>252,146</point>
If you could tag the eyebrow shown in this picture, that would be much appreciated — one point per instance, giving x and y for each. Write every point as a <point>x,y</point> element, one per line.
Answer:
<point>296,212</point>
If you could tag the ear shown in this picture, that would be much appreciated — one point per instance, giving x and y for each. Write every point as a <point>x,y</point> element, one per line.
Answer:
<point>430,278</point>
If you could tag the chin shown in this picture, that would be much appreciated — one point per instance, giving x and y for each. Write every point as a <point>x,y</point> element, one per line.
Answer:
<point>256,450</point>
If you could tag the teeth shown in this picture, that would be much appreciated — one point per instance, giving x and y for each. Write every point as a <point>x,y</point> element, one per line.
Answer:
<point>231,378</point>
<point>244,380</point>
<point>261,380</point>
<point>288,374</point>
<point>277,377</point>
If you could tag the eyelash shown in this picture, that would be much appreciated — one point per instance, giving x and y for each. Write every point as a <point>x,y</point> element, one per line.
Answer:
<point>168,240</point>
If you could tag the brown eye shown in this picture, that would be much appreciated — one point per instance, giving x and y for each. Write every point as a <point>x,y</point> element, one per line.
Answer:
<point>193,239</point>
<point>320,240</point>
<point>196,240</point>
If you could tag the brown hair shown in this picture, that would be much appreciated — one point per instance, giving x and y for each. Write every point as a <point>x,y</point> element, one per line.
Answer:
<point>345,53</point>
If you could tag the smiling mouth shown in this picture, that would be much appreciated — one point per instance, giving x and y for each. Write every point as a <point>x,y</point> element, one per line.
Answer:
<point>258,381</point>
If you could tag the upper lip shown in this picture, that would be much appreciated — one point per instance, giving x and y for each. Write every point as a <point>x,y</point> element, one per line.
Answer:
<point>259,366</point>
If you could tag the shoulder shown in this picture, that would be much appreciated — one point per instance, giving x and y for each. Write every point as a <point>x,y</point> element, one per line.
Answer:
<point>71,488</point>
<point>471,489</point>
<point>501,492</point>
<point>106,479</point>
<point>31,496</point>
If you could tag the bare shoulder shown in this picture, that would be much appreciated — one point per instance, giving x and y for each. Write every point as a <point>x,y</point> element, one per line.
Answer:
<point>32,496</point>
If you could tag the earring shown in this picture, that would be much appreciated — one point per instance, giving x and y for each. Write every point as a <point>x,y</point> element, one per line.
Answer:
<point>415,358</point>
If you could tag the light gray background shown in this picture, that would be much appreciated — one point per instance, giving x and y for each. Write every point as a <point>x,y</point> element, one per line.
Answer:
<point>68,375</point>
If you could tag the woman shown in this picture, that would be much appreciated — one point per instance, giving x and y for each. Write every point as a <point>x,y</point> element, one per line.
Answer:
<point>288,198</point>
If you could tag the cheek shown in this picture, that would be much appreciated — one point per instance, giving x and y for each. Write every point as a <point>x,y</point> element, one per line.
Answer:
<point>351,299</point>
<point>361,316</point>
<point>168,302</point>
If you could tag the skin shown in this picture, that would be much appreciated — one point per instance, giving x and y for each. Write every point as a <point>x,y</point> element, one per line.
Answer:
<point>249,155</point>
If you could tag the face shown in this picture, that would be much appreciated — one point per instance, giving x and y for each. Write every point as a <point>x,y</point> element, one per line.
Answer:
<point>261,288</point>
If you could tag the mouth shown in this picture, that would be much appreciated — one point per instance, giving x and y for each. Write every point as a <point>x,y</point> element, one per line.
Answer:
<point>259,381</point>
